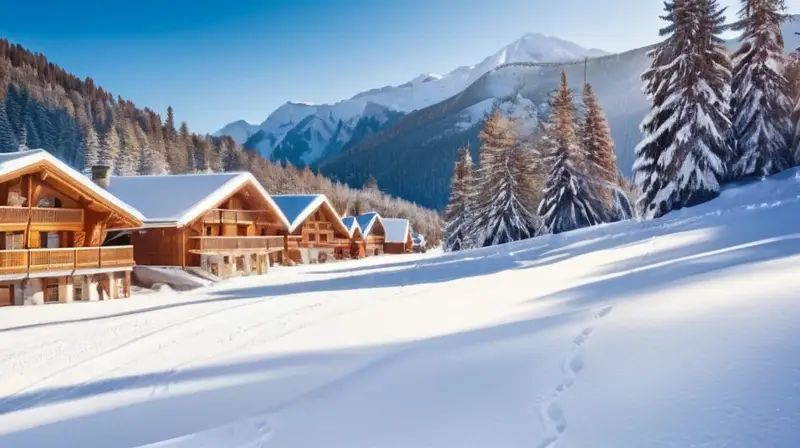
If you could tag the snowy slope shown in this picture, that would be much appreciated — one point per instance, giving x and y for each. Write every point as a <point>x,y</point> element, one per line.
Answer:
<point>289,134</point>
<point>679,332</point>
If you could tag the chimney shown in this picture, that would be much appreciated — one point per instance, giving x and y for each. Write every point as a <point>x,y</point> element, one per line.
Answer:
<point>101,175</point>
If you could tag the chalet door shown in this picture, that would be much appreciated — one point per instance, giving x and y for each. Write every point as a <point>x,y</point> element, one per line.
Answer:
<point>6,295</point>
<point>53,240</point>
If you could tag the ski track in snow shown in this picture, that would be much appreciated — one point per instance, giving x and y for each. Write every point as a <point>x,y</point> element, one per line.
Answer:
<point>132,342</point>
<point>551,413</point>
<point>163,386</point>
<point>145,345</point>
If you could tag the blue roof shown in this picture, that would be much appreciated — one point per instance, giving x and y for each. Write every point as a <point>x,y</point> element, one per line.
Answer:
<point>366,221</point>
<point>297,207</point>
<point>351,224</point>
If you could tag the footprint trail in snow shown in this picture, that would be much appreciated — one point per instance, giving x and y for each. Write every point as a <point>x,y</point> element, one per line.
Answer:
<point>551,414</point>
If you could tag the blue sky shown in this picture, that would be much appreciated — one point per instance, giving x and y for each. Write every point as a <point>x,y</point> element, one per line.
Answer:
<point>218,61</point>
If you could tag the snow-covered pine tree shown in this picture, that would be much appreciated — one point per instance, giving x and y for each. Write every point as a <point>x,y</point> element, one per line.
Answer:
<point>503,188</point>
<point>109,148</point>
<point>568,203</point>
<point>792,75</point>
<point>91,148</point>
<point>687,135</point>
<point>459,208</point>
<point>127,162</point>
<point>760,94</point>
<point>598,147</point>
<point>23,139</point>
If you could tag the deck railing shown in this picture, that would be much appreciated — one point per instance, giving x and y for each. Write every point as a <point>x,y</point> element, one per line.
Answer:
<point>64,259</point>
<point>236,216</point>
<point>234,243</point>
<point>41,215</point>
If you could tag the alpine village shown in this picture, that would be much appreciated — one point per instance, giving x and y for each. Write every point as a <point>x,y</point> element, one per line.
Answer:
<point>97,193</point>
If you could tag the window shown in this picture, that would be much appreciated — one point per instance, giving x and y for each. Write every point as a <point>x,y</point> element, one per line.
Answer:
<point>208,231</point>
<point>312,237</point>
<point>51,290</point>
<point>77,289</point>
<point>323,238</point>
<point>14,241</point>
<point>263,231</point>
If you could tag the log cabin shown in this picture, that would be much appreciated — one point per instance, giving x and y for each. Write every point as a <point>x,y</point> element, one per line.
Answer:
<point>55,223</point>
<point>316,233</point>
<point>373,233</point>
<point>223,224</point>
<point>399,239</point>
<point>357,249</point>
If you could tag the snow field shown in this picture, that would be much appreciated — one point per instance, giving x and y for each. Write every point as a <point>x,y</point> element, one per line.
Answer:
<point>670,333</point>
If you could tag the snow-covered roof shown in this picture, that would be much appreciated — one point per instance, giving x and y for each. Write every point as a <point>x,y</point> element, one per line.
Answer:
<point>176,200</point>
<point>298,207</point>
<point>397,230</point>
<point>367,221</point>
<point>14,161</point>
<point>351,224</point>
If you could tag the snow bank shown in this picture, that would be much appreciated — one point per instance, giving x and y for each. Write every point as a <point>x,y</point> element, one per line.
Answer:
<point>153,277</point>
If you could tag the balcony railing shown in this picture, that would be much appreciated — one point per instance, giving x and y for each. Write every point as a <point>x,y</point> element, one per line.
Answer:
<point>40,216</point>
<point>236,243</point>
<point>66,259</point>
<point>221,216</point>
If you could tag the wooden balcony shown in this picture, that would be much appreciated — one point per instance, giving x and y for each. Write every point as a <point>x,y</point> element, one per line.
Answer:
<point>227,244</point>
<point>66,259</point>
<point>41,219</point>
<point>221,216</point>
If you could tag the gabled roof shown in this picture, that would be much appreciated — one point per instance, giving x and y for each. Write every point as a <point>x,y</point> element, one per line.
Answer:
<point>367,221</point>
<point>397,230</point>
<point>176,200</point>
<point>298,207</point>
<point>18,161</point>
<point>351,224</point>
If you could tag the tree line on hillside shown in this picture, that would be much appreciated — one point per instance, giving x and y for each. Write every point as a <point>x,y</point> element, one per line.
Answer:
<point>715,118</point>
<point>558,177</point>
<point>43,106</point>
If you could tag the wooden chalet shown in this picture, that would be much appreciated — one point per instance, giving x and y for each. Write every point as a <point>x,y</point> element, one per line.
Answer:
<point>55,223</point>
<point>373,233</point>
<point>224,224</point>
<point>399,239</point>
<point>357,249</point>
<point>316,233</point>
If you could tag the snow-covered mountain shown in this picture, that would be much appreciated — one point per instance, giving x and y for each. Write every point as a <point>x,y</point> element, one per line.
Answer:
<point>304,133</point>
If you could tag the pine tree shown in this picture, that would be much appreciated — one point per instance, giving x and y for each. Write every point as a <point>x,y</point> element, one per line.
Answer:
<point>110,148</point>
<point>371,184</point>
<point>23,139</point>
<point>760,100</point>
<point>127,162</point>
<point>7,141</point>
<point>792,75</point>
<point>568,202</point>
<point>458,213</point>
<point>91,149</point>
<point>598,146</point>
<point>687,135</point>
<point>503,187</point>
